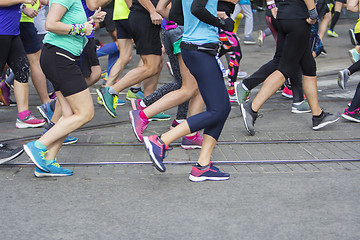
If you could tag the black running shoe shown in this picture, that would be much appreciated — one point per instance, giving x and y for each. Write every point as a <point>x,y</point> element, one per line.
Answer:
<point>249,117</point>
<point>326,119</point>
<point>7,154</point>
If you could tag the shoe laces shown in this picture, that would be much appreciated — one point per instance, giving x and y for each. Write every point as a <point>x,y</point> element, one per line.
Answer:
<point>115,101</point>
<point>42,154</point>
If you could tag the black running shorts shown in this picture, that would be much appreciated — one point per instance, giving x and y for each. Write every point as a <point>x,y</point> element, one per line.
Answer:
<point>61,68</point>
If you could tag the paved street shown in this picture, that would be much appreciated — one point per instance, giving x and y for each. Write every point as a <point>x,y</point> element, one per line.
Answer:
<point>287,181</point>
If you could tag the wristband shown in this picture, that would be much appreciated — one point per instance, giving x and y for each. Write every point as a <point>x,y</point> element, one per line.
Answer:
<point>271,6</point>
<point>270,3</point>
<point>313,14</point>
<point>77,30</point>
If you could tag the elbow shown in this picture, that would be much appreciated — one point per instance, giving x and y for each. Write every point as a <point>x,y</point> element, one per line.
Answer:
<point>92,5</point>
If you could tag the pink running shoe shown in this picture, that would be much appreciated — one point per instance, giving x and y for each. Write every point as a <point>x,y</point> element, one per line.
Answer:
<point>4,94</point>
<point>29,122</point>
<point>287,92</point>
<point>192,142</point>
<point>135,104</point>
<point>138,124</point>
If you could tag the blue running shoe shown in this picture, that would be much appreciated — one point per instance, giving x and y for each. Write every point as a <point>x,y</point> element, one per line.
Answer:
<point>210,173</point>
<point>55,171</point>
<point>45,111</point>
<point>36,155</point>
<point>70,140</point>
<point>157,149</point>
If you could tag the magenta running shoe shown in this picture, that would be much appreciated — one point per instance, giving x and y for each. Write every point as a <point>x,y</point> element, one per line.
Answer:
<point>135,104</point>
<point>138,124</point>
<point>192,142</point>
<point>29,122</point>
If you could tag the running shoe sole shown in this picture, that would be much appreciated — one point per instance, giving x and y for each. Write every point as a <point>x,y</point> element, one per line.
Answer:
<point>103,100</point>
<point>189,147</point>
<point>294,110</point>
<point>159,119</point>
<point>321,125</point>
<point>201,179</point>
<point>45,174</point>
<point>12,157</point>
<point>350,118</point>
<point>26,125</point>
<point>243,111</point>
<point>152,156</point>
<point>132,120</point>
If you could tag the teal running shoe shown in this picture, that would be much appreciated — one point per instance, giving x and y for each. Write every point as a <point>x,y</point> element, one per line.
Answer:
<point>37,156</point>
<point>55,171</point>
<point>131,95</point>
<point>110,101</point>
<point>160,117</point>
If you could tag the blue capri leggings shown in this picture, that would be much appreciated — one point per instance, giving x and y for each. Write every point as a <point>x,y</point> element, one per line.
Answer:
<point>209,78</point>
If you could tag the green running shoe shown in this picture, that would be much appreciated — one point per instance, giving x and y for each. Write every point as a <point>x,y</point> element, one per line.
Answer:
<point>131,95</point>
<point>160,117</point>
<point>110,101</point>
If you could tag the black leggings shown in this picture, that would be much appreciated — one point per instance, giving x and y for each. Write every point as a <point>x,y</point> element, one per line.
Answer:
<point>265,70</point>
<point>13,53</point>
<point>294,48</point>
<point>208,75</point>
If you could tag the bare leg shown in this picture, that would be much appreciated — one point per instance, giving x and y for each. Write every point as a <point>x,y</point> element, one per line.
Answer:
<point>21,91</point>
<point>324,25</point>
<point>95,75</point>
<point>271,84</point>
<point>310,90</point>
<point>37,76</point>
<point>188,89</point>
<point>76,112</point>
<point>125,49</point>
<point>150,68</point>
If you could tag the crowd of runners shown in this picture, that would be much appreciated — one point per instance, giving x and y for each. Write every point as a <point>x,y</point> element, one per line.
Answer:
<point>53,42</point>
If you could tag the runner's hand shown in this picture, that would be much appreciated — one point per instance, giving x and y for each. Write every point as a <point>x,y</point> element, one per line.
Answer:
<point>31,13</point>
<point>89,27</point>
<point>98,16</point>
<point>311,21</point>
<point>156,18</point>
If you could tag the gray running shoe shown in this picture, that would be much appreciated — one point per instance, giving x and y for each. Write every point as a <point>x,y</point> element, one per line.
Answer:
<point>249,117</point>
<point>249,40</point>
<point>303,107</point>
<point>241,93</point>
<point>343,77</point>
<point>326,119</point>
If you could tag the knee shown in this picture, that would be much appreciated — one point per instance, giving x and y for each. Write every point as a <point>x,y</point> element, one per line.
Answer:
<point>87,115</point>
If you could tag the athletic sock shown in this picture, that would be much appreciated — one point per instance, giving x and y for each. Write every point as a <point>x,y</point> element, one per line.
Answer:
<point>202,167</point>
<point>49,161</point>
<point>319,116</point>
<point>143,115</point>
<point>112,91</point>
<point>334,20</point>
